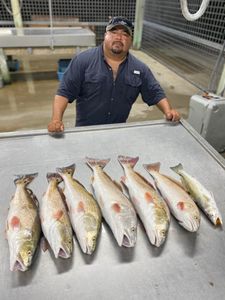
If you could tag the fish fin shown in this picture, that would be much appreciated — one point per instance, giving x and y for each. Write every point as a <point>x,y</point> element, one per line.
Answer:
<point>57,215</point>
<point>15,222</point>
<point>145,180</point>
<point>54,176</point>
<point>184,185</point>
<point>152,167</point>
<point>176,182</point>
<point>124,187</point>
<point>128,160</point>
<point>118,185</point>
<point>177,168</point>
<point>116,207</point>
<point>67,170</point>
<point>24,179</point>
<point>63,197</point>
<point>44,244</point>
<point>33,197</point>
<point>92,162</point>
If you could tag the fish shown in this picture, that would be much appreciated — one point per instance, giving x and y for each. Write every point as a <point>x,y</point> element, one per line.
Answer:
<point>55,221</point>
<point>116,208</point>
<point>84,213</point>
<point>202,197</point>
<point>178,200</point>
<point>23,228</point>
<point>150,206</point>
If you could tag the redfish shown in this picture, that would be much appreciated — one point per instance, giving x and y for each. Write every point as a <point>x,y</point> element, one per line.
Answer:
<point>202,197</point>
<point>149,205</point>
<point>180,203</point>
<point>116,208</point>
<point>23,224</point>
<point>84,213</point>
<point>55,221</point>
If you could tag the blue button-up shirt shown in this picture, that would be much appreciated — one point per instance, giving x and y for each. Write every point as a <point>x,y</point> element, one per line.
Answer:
<point>99,98</point>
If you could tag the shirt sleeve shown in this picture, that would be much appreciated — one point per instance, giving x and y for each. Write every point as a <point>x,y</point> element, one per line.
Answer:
<point>72,78</point>
<point>151,90</point>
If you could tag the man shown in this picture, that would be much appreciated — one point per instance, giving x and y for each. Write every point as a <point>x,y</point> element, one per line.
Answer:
<point>106,80</point>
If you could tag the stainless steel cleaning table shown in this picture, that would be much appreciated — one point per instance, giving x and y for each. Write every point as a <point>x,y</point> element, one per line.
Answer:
<point>187,266</point>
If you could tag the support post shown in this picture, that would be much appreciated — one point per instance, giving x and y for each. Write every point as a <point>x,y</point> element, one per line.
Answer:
<point>138,27</point>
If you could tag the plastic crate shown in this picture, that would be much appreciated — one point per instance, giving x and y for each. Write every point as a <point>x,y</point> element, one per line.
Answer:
<point>62,66</point>
<point>13,65</point>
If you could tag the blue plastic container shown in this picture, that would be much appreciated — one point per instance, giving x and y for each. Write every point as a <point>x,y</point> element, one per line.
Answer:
<point>62,66</point>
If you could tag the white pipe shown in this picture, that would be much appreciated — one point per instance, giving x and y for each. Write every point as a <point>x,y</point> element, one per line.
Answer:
<point>192,17</point>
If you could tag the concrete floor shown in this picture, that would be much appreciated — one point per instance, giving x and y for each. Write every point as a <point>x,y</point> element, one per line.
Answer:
<point>26,103</point>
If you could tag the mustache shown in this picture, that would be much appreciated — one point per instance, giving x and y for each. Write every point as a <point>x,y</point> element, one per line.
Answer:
<point>117,42</point>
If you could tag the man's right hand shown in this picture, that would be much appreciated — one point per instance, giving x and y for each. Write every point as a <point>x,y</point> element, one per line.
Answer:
<point>55,126</point>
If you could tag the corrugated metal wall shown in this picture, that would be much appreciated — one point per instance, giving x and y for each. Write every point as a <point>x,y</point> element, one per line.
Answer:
<point>191,49</point>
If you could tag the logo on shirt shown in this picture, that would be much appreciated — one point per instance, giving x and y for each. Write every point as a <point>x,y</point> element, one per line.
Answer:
<point>137,72</point>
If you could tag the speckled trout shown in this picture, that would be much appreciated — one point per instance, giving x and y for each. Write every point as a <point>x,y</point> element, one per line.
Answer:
<point>85,215</point>
<point>180,203</point>
<point>150,206</point>
<point>116,208</point>
<point>23,224</point>
<point>202,197</point>
<point>55,221</point>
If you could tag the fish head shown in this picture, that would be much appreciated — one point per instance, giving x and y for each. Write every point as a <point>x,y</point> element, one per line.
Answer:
<point>66,246</point>
<point>191,222</point>
<point>130,236</point>
<point>23,257</point>
<point>214,216</point>
<point>91,241</point>
<point>61,240</point>
<point>160,235</point>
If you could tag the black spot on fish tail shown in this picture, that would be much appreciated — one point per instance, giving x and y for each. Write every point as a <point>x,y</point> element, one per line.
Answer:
<point>67,170</point>
<point>92,162</point>
<point>25,178</point>
<point>54,176</point>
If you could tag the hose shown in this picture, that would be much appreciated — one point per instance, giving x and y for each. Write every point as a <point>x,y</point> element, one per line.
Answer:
<point>192,17</point>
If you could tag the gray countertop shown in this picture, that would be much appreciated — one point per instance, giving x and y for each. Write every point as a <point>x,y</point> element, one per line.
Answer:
<point>188,265</point>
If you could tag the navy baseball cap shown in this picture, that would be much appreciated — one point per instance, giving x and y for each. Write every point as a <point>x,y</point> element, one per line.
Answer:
<point>120,21</point>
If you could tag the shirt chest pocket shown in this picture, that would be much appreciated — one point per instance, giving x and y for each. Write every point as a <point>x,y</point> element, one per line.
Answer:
<point>132,87</point>
<point>93,84</point>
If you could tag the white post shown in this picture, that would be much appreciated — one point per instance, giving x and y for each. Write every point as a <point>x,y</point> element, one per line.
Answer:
<point>138,27</point>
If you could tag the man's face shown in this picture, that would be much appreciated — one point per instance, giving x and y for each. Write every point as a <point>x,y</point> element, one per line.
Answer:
<point>118,40</point>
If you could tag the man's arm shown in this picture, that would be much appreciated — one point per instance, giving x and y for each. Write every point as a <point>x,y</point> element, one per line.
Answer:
<point>170,113</point>
<point>59,106</point>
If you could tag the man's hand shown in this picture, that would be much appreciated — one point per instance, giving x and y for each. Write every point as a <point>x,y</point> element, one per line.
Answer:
<point>55,126</point>
<point>172,115</point>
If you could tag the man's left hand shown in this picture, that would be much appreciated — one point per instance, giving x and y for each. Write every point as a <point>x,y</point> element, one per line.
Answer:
<point>172,115</point>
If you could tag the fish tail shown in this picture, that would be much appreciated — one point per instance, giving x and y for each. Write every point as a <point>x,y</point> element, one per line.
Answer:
<point>92,162</point>
<point>127,160</point>
<point>177,168</point>
<point>66,170</point>
<point>25,178</point>
<point>152,167</point>
<point>54,176</point>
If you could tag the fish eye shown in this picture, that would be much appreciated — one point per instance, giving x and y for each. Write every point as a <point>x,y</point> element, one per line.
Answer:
<point>196,217</point>
<point>163,232</point>
<point>133,229</point>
